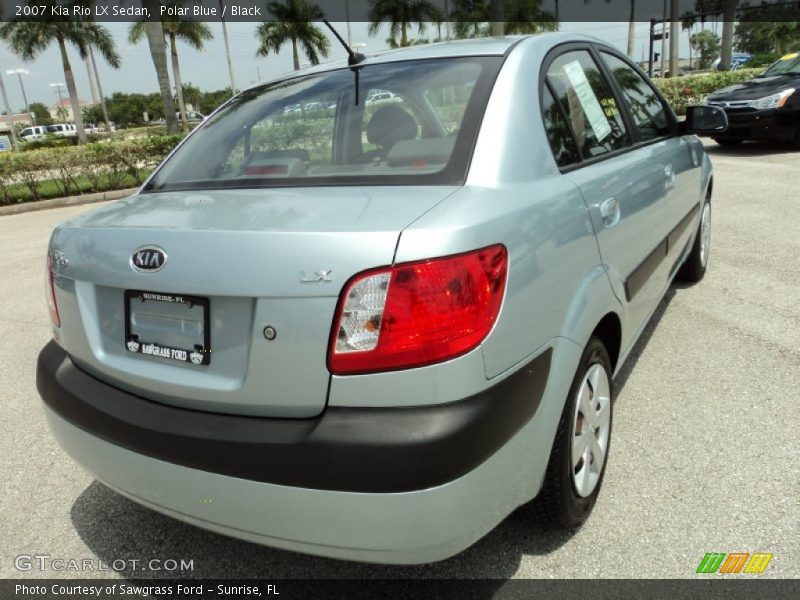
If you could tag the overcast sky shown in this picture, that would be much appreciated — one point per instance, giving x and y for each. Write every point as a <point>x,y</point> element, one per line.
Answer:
<point>208,69</point>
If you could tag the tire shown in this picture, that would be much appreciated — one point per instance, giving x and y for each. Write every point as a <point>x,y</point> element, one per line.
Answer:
<point>694,269</point>
<point>569,493</point>
<point>795,142</point>
<point>728,141</point>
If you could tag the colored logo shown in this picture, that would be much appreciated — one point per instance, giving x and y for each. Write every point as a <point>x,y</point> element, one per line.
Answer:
<point>734,562</point>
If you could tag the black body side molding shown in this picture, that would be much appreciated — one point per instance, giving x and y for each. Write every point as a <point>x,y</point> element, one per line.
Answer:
<point>345,449</point>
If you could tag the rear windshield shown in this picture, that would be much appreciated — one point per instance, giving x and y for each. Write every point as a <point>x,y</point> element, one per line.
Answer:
<point>415,123</point>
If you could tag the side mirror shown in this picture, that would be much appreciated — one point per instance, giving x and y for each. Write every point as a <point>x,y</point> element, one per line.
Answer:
<point>705,120</point>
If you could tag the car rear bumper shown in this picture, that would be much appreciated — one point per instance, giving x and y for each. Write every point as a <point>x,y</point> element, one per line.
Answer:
<point>344,449</point>
<point>409,526</point>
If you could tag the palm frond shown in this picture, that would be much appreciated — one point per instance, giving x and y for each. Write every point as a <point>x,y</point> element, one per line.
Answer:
<point>293,22</point>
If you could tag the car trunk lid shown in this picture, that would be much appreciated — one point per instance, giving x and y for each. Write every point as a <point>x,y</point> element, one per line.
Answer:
<point>236,262</point>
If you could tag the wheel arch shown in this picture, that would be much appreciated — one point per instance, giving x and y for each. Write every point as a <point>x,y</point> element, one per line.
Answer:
<point>609,331</point>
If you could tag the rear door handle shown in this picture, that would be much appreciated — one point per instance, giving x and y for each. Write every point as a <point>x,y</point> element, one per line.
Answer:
<point>609,210</point>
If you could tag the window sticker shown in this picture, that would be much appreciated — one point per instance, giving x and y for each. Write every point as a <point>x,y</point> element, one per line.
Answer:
<point>591,107</point>
<point>790,56</point>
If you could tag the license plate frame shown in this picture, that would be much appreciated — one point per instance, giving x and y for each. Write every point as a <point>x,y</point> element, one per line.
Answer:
<point>197,356</point>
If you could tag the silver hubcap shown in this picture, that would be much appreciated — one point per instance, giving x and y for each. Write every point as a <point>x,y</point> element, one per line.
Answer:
<point>705,234</point>
<point>591,427</point>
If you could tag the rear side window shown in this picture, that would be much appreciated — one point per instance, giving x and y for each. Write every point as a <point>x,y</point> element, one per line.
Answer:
<point>588,102</point>
<point>558,134</point>
<point>646,108</point>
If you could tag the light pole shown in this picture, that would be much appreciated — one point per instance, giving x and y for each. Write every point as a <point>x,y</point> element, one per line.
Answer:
<point>58,87</point>
<point>19,73</point>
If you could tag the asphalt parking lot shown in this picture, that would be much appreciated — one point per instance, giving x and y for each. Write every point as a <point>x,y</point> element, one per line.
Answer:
<point>704,455</point>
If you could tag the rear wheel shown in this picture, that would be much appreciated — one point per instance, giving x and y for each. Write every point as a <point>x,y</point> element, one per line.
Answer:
<point>694,269</point>
<point>578,458</point>
<point>728,141</point>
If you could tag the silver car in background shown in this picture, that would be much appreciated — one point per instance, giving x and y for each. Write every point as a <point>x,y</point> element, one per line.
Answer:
<point>371,330</point>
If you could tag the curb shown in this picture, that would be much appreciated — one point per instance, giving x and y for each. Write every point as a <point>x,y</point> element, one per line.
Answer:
<point>23,207</point>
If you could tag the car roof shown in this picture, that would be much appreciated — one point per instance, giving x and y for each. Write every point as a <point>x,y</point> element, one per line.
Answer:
<point>489,46</point>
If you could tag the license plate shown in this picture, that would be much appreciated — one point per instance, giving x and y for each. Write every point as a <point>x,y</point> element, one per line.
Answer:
<point>174,327</point>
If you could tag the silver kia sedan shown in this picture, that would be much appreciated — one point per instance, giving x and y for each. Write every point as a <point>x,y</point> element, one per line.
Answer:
<point>371,330</point>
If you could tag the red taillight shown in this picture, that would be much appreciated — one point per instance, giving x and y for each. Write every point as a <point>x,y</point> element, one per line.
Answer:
<point>419,313</point>
<point>52,305</point>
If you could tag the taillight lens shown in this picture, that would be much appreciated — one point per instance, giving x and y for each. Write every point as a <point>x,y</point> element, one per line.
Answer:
<point>416,314</point>
<point>52,306</point>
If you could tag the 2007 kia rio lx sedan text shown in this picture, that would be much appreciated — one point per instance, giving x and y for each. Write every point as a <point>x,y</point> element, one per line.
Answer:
<point>371,331</point>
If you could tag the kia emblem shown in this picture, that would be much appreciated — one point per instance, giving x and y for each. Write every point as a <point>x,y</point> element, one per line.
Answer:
<point>148,259</point>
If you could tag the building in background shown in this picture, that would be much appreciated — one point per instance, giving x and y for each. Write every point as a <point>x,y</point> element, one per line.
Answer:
<point>62,110</point>
<point>20,120</point>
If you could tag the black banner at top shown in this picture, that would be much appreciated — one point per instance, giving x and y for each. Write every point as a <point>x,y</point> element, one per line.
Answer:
<point>435,10</point>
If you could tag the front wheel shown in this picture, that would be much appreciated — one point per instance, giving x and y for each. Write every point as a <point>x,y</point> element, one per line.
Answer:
<point>694,269</point>
<point>796,139</point>
<point>580,450</point>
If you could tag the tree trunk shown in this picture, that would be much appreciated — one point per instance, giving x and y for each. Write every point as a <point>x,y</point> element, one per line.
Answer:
<point>403,35</point>
<point>155,38</point>
<point>347,18</point>
<point>689,35</point>
<point>100,91</point>
<point>92,81</point>
<point>674,38</point>
<point>176,74</point>
<point>631,29</point>
<point>73,93</point>
<point>92,73</point>
<point>663,57</point>
<point>11,132</point>
<point>295,55</point>
<point>728,17</point>
<point>497,15</point>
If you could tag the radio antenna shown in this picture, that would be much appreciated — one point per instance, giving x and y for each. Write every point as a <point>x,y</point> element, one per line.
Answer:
<point>353,58</point>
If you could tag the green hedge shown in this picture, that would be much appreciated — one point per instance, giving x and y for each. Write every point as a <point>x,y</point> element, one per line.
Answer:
<point>681,92</point>
<point>53,172</point>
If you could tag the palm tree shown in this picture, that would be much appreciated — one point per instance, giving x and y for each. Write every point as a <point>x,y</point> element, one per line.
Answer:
<point>687,25</point>
<point>400,14</point>
<point>227,50</point>
<point>293,24</point>
<point>193,33</point>
<point>497,17</point>
<point>631,28</point>
<point>155,41</point>
<point>526,16</point>
<point>475,19</point>
<point>91,64</point>
<point>28,39</point>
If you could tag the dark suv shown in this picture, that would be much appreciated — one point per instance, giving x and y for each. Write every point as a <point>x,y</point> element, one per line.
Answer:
<point>766,108</point>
